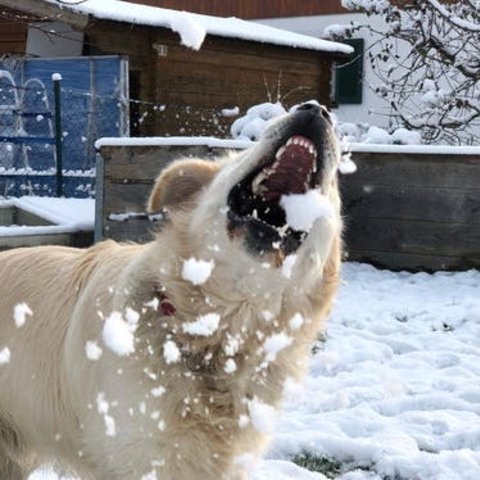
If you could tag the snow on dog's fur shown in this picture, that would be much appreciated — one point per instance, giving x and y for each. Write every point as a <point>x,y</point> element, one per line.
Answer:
<point>125,366</point>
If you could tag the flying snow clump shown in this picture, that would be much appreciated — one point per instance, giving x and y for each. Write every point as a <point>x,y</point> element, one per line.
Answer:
<point>103,408</point>
<point>20,313</point>
<point>118,335</point>
<point>230,366</point>
<point>204,326</point>
<point>303,209</point>
<point>197,271</point>
<point>274,344</point>
<point>92,350</point>
<point>171,352</point>
<point>296,321</point>
<point>5,355</point>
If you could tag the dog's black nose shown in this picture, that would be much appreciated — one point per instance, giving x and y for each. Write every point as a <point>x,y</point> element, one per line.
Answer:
<point>316,109</point>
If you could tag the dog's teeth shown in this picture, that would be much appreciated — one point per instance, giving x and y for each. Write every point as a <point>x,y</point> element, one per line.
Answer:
<point>280,152</point>
<point>257,187</point>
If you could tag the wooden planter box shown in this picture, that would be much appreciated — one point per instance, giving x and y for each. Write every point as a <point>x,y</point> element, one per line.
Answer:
<point>406,208</point>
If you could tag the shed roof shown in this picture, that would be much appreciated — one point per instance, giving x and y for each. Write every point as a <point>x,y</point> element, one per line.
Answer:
<point>191,27</point>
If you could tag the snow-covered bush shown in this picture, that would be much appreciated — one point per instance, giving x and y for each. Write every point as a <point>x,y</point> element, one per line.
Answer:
<point>255,121</point>
<point>252,125</point>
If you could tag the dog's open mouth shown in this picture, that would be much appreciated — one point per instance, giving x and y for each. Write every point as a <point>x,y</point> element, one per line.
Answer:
<point>254,203</point>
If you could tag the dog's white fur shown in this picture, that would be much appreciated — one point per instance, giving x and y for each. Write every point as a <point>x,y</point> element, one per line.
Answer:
<point>53,398</point>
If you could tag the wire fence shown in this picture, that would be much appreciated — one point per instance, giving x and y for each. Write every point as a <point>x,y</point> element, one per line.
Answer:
<point>48,129</point>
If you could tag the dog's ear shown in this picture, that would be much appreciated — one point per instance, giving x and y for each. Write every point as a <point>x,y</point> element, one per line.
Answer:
<point>179,182</point>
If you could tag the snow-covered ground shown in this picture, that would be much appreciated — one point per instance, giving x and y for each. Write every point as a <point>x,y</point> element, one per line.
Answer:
<point>394,391</point>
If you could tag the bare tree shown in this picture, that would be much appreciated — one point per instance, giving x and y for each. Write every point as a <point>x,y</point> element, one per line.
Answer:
<point>426,58</point>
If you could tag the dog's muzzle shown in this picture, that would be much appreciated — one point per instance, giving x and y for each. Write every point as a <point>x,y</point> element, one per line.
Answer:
<point>295,164</point>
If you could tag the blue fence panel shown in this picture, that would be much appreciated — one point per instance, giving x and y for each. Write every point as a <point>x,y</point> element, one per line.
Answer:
<point>93,105</point>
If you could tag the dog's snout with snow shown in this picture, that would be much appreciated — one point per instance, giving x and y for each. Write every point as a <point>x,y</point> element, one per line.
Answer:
<point>289,186</point>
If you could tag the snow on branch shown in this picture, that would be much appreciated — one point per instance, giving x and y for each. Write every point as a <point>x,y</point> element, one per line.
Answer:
<point>425,58</point>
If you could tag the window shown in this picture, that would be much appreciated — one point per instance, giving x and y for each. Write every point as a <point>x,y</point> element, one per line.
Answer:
<point>348,75</point>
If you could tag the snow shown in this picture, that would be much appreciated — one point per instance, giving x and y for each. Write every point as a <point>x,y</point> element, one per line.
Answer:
<point>274,344</point>
<point>117,334</point>
<point>67,214</point>
<point>403,136</point>
<point>210,142</point>
<point>171,352</point>
<point>92,350</point>
<point>197,271</point>
<point>103,408</point>
<point>395,387</point>
<point>158,391</point>
<point>191,27</point>
<point>378,135</point>
<point>347,165</point>
<point>419,149</point>
<point>20,313</point>
<point>230,366</point>
<point>252,125</point>
<point>262,415</point>
<point>394,390</point>
<point>5,355</point>
<point>296,321</point>
<point>303,209</point>
<point>192,33</point>
<point>230,112</point>
<point>204,325</point>
<point>287,265</point>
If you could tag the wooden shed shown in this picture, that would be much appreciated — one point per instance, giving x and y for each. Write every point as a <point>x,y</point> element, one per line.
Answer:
<point>175,89</point>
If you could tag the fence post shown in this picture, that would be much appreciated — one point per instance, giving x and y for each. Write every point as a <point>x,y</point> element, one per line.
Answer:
<point>57,78</point>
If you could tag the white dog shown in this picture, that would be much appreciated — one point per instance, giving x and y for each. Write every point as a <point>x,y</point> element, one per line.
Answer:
<point>156,361</point>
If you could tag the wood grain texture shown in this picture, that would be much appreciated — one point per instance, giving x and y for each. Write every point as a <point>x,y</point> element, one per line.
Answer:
<point>194,86</point>
<point>128,176</point>
<point>415,212</point>
<point>252,8</point>
<point>13,36</point>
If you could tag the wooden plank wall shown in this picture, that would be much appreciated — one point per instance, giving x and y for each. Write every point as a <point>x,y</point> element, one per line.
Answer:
<point>194,86</point>
<point>402,211</point>
<point>414,211</point>
<point>252,8</point>
<point>125,178</point>
<point>228,73</point>
<point>13,37</point>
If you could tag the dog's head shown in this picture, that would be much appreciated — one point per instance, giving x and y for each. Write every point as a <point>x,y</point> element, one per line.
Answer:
<point>248,203</point>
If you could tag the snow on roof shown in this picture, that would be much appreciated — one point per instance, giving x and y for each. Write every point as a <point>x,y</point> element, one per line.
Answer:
<point>193,27</point>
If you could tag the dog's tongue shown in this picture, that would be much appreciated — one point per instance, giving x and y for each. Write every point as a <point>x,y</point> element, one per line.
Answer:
<point>290,173</point>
